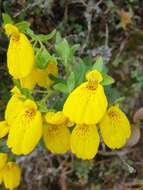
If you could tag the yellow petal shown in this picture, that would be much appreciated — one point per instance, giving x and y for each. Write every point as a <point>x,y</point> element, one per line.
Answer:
<point>12,175</point>
<point>33,134</point>
<point>3,160</point>
<point>14,106</point>
<point>55,118</point>
<point>85,141</point>
<point>57,138</point>
<point>15,138</point>
<point>20,56</point>
<point>115,128</point>
<point>4,129</point>
<point>26,130</point>
<point>86,104</point>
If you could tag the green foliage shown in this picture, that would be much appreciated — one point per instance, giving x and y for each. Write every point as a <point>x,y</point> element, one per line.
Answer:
<point>71,82</point>
<point>6,19</point>
<point>23,26</point>
<point>66,86</point>
<point>99,64</point>
<point>63,50</point>
<point>42,58</point>
<point>112,94</point>
<point>80,70</point>
<point>61,87</point>
<point>107,80</point>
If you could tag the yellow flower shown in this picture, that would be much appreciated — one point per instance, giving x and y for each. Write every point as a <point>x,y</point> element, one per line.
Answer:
<point>20,55</point>
<point>56,134</point>
<point>56,138</point>
<point>4,129</point>
<point>40,77</point>
<point>115,128</point>
<point>85,141</point>
<point>26,129</point>
<point>11,175</point>
<point>87,103</point>
<point>14,105</point>
<point>3,160</point>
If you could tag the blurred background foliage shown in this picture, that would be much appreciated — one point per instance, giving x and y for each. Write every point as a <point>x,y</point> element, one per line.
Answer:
<point>114,30</point>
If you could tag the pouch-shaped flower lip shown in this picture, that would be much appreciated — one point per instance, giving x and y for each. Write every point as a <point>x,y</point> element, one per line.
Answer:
<point>56,138</point>
<point>115,128</point>
<point>26,130</point>
<point>20,54</point>
<point>87,103</point>
<point>84,141</point>
<point>56,134</point>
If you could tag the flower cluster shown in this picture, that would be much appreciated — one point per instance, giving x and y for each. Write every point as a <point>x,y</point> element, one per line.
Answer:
<point>87,107</point>
<point>85,115</point>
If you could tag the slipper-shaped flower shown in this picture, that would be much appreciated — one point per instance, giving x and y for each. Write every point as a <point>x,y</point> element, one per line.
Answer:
<point>87,103</point>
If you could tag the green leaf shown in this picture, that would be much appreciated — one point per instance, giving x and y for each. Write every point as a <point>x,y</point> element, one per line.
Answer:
<point>44,38</point>
<point>42,58</point>
<point>58,38</point>
<point>23,26</point>
<point>61,87</point>
<point>71,82</point>
<point>30,33</point>
<point>112,94</point>
<point>75,47</point>
<point>98,65</point>
<point>107,80</point>
<point>63,50</point>
<point>6,19</point>
<point>80,70</point>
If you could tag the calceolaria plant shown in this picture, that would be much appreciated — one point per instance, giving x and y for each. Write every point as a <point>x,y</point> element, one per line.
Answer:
<point>58,97</point>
